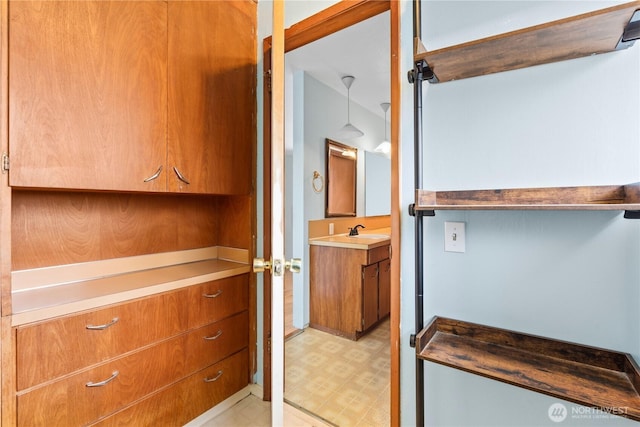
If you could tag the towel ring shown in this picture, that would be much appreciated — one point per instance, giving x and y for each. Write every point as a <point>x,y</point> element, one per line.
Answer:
<point>314,182</point>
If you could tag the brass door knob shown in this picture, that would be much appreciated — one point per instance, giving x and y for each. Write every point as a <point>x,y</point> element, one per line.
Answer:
<point>260,265</point>
<point>294,266</point>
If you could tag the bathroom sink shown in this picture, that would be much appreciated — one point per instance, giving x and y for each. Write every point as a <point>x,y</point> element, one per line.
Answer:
<point>371,236</point>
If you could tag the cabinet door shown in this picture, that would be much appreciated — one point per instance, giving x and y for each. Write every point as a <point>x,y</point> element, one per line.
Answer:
<point>369,296</point>
<point>212,105</point>
<point>384,288</point>
<point>87,94</point>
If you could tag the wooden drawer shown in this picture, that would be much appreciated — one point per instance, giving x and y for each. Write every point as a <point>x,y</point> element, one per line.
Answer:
<point>214,342</point>
<point>202,392</point>
<point>182,402</point>
<point>216,300</point>
<point>377,254</point>
<point>50,349</point>
<point>71,402</point>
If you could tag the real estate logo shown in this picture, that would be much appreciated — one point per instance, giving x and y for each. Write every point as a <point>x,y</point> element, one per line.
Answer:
<point>557,412</point>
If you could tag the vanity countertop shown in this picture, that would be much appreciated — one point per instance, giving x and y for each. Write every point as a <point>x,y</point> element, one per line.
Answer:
<point>367,239</point>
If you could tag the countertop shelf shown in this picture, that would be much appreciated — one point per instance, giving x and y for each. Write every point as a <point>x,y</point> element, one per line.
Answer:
<point>575,37</point>
<point>43,293</point>
<point>589,376</point>
<point>608,197</point>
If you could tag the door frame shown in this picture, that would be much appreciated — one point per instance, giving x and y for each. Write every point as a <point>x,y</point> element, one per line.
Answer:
<point>326,22</point>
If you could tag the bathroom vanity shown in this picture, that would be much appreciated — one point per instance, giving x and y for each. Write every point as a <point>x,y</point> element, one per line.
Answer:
<point>349,279</point>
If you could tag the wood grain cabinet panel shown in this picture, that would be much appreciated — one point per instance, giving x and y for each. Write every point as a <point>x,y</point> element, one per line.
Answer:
<point>47,350</point>
<point>348,297</point>
<point>216,300</point>
<point>369,296</point>
<point>71,402</point>
<point>87,94</point>
<point>218,340</point>
<point>147,96</point>
<point>212,99</point>
<point>212,385</point>
<point>384,288</point>
<point>185,400</point>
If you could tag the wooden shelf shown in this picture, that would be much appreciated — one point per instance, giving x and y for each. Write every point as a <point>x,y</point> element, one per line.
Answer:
<point>588,376</point>
<point>570,38</point>
<point>609,197</point>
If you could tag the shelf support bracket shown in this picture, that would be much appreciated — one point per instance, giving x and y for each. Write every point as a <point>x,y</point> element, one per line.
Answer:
<point>413,212</point>
<point>632,214</point>
<point>631,32</point>
<point>422,72</point>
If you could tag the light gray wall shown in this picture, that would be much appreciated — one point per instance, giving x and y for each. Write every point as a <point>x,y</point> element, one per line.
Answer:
<point>573,276</point>
<point>377,182</point>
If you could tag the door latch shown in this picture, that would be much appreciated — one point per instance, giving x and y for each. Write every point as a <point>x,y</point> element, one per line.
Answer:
<point>277,266</point>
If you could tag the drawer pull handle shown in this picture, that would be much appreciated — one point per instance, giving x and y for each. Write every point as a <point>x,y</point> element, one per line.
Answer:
<point>105,382</point>
<point>216,295</point>
<point>155,175</point>
<point>215,337</point>
<point>102,327</point>
<point>214,379</point>
<point>180,176</point>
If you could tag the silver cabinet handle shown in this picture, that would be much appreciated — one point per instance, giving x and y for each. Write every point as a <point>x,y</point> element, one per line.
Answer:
<point>214,337</point>
<point>216,295</point>
<point>105,382</point>
<point>102,327</point>
<point>155,175</point>
<point>210,380</point>
<point>180,176</point>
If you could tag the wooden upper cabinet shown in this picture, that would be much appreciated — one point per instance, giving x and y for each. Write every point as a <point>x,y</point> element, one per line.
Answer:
<point>127,96</point>
<point>212,105</point>
<point>87,94</point>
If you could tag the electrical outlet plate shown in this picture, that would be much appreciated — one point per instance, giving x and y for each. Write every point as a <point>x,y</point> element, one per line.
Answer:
<point>454,237</point>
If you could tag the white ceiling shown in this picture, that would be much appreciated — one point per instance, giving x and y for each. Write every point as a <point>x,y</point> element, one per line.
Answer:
<point>362,51</point>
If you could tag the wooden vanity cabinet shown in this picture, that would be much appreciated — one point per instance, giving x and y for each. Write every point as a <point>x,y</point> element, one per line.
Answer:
<point>349,289</point>
<point>150,96</point>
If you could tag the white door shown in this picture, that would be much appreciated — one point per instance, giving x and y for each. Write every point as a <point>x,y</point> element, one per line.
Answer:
<point>276,265</point>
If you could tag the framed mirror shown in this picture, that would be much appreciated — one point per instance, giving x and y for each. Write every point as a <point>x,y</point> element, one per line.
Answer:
<point>341,167</point>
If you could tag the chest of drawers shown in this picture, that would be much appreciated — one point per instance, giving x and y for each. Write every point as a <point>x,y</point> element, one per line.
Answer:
<point>88,367</point>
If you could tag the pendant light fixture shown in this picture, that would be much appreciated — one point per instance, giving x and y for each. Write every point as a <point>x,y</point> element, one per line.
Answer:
<point>385,146</point>
<point>349,131</point>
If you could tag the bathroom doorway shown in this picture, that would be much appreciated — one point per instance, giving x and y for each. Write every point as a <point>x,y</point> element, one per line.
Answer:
<point>320,374</point>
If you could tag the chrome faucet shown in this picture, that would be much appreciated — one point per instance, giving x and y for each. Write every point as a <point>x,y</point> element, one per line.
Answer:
<point>354,231</point>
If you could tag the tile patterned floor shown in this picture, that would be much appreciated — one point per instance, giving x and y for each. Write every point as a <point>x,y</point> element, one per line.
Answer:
<point>343,382</point>
<point>254,412</point>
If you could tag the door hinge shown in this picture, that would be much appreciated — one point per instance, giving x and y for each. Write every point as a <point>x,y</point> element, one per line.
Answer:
<point>267,76</point>
<point>5,163</point>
